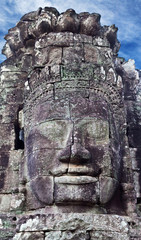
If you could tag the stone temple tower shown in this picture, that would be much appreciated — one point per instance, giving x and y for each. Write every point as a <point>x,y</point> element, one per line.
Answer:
<point>70,127</point>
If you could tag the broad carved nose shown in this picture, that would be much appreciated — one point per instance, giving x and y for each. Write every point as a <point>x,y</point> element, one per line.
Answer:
<point>79,155</point>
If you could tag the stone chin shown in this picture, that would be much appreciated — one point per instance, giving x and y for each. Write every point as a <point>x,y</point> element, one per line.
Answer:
<point>84,190</point>
<point>75,190</point>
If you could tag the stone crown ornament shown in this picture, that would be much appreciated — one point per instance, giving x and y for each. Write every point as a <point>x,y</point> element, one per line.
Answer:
<point>47,29</point>
<point>44,21</point>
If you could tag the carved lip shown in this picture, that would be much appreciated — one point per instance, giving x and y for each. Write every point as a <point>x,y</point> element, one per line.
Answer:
<point>75,180</point>
<point>74,171</point>
<point>77,170</point>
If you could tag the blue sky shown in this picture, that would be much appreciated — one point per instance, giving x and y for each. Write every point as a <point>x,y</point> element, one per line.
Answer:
<point>125,14</point>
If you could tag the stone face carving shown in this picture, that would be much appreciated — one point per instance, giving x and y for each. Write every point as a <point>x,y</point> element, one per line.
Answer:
<point>75,156</point>
<point>70,127</point>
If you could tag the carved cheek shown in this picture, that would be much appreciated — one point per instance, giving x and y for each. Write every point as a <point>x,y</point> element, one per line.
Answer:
<point>108,186</point>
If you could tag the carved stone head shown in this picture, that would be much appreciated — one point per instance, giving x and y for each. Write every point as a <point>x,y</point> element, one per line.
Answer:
<point>73,111</point>
<point>73,140</point>
<point>73,132</point>
<point>73,150</point>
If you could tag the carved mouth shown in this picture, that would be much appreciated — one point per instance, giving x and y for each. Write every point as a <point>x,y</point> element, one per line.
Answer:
<point>75,170</point>
<point>75,180</point>
<point>80,170</point>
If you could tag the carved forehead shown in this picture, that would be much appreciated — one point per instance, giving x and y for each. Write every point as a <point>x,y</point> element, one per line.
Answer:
<point>73,107</point>
<point>93,106</point>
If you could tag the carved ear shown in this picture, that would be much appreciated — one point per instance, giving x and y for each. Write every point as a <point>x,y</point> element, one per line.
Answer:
<point>108,186</point>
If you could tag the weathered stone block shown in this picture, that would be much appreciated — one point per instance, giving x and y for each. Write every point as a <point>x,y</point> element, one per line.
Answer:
<point>29,236</point>
<point>101,235</point>
<point>9,171</point>
<point>55,56</point>
<point>27,62</point>
<point>68,22</point>
<point>4,161</point>
<point>111,76</point>
<point>74,221</point>
<point>90,24</point>
<point>53,235</point>
<point>9,181</point>
<point>55,39</point>
<point>7,141</point>
<point>48,55</point>
<point>101,42</point>
<point>5,200</point>
<point>11,202</point>
<point>9,113</point>
<point>67,235</point>
<point>73,54</point>
<point>17,202</point>
<point>134,136</point>
<point>137,182</point>
<point>32,202</point>
<point>41,56</point>
<point>129,202</point>
<point>45,90</point>
<point>91,54</point>
<point>10,67</point>
<point>82,38</point>
<point>14,95</point>
<point>105,55</point>
<point>13,79</point>
<point>55,73</point>
<point>10,165</point>
<point>43,25</point>
<point>7,226</point>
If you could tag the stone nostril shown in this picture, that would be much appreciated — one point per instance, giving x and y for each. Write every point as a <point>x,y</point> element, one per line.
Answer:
<point>79,155</point>
<point>64,155</point>
<point>64,158</point>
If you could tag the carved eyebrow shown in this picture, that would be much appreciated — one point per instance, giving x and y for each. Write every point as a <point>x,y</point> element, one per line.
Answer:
<point>91,119</point>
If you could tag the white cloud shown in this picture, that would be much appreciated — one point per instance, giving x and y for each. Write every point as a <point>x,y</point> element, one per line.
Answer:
<point>2,42</point>
<point>23,7</point>
<point>124,55</point>
<point>129,31</point>
<point>2,57</point>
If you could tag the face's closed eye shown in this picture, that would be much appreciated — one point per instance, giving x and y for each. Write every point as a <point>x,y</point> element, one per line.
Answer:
<point>55,134</point>
<point>91,132</point>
